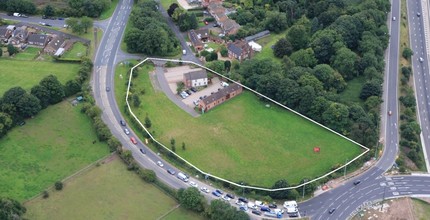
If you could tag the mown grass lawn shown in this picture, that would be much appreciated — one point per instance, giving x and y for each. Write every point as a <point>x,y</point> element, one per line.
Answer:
<point>166,3</point>
<point>51,146</point>
<point>267,43</point>
<point>106,192</point>
<point>28,54</point>
<point>242,140</point>
<point>28,73</point>
<point>76,52</point>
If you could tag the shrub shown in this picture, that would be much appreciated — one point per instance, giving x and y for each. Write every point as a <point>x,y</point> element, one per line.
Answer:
<point>58,185</point>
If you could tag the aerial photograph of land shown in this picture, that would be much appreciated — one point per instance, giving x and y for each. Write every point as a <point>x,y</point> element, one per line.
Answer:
<point>214,109</point>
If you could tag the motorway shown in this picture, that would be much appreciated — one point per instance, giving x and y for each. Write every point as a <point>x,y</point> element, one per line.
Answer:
<point>347,198</point>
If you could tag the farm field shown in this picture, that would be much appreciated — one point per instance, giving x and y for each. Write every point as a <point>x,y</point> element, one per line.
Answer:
<point>51,146</point>
<point>107,192</point>
<point>242,135</point>
<point>28,73</point>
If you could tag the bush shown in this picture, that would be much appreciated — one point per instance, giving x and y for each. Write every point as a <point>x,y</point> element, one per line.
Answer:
<point>58,185</point>
<point>45,194</point>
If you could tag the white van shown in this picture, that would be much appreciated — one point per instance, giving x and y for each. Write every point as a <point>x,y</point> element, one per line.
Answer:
<point>182,177</point>
<point>184,52</point>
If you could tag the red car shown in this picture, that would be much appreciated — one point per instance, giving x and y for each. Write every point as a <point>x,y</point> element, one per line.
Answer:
<point>133,140</point>
<point>206,23</point>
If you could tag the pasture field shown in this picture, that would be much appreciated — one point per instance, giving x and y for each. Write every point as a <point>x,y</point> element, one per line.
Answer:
<point>51,146</point>
<point>260,144</point>
<point>106,192</point>
<point>26,73</point>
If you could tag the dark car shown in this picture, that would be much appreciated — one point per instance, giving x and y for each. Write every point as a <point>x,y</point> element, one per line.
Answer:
<point>215,193</point>
<point>53,18</point>
<point>122,122</point>
<point>218,191</point>
<point>265,209</point>
<point>243,200</point>
<point>48,25</point>
<point>230,196</point>
<point>331,210</point>
<point>107,89</point>
<point>142,151</point>
<point>295,214</point>
<point>60,18</point>
<point>193,89</point>
<point>170,171</point>
<point>44,17</point>
<point>418,14</point>
<point>256,212</point>
<point>357,182</point>
<point>188,92</point>
<point>273,206</point>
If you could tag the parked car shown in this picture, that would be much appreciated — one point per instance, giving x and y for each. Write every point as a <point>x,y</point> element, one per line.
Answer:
<point>215,193</point>
<point>204,189</point>
<point>170,171</point>
<point>60,18</point>
<point>239,203</point>
<point>244,200</point>
<point>23,16</point>
<point>226,198</point>
<point>193,184</point>
<point>193,89</point>
<point>44,17</point>
<point>188,92</point>
<point>126,131</point>
<point>273,206</point>
<point>122,122</point>
<point>357,182</point>
<point>159,163</point>
<point>107,88</point>
<point>133,140</point>
<point>142,151</point>
<point>230,196</point>
<point>46,24</point>
<point>219,191</point>
<point>256,212</point>
<point>265,209</point>
<point>22,123</point>
<point>243,208</point>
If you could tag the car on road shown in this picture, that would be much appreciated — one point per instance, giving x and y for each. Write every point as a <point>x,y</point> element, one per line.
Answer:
<point>421,59</point>
<point>48,25</point>
<point>243,208</point>
<point>226,198</point>
<point>231,196</point>
<point>418,14</point>
<point>44,17</point>
<point>170,171</point>
<point>265,209</point>
<point>142,151</point>
<point>390,113</point>
<point>273,206</point>
<point>159,163</point>
<point>256,212</point>
<point>215,193</point>
<point>107,88</point>
<point>23,16</point>
<point>60,18</point>
<point>394,18</point>
<point>244,200</point>
<point>193,89</point>
<point>331,210</point>
<point>122,122</point>
<point>133,140</point>
<point>239,203</point>
<point>126,131</point>
<point>204,189</point>
<point>357,182</point>
<point>219,191</point>
<point>193,184</point>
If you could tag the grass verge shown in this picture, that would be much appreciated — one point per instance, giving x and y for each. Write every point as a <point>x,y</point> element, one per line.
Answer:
<point>241,135</point>
<point>28,73</point>
<point>108,13</point>
<point>78,50</point>
<point>48,148</point>
<point>28,54</point>
<point>106,192</point>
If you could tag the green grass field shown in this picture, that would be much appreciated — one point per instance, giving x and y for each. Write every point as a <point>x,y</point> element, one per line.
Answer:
<point>167,3</point>
<point>51,146</point>
<point>421,209</point>
<point>28,54</point>
<point>261,145</point>
<point>352,92</point>
<point>78,50</point>
<point>267,43</point>
<point>28,73</point>
<point>108,13</point>
<point>106,192</point>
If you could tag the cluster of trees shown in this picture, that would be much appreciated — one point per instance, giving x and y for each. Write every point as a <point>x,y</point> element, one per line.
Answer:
<point>209,56</point>
<point>150,33</point>
<point>192,199</point>
<point>20,6</point>
<point>16,104</point>
<point>186,21</point>
<point>79,26</point>
<point>11,209</point>
<point>320,54</point>
<point>89,8</point>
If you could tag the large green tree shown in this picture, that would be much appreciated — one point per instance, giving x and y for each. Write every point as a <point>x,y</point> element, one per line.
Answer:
<point>11,209</point>
<point>54,88</point>
<point>298,36</point>
<point>191,198</point>
<point>6,123</point>
<point>282,47</point>
<point>336,117</point>
<point>345,62</point>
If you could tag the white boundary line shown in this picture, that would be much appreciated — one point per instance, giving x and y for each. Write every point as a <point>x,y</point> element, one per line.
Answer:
<point>220,178</point>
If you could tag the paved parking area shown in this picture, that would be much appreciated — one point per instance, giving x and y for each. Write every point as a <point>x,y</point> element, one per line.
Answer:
<point>213,87</point>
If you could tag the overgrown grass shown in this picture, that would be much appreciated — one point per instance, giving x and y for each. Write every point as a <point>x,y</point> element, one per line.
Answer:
<point>78,50</point>
<point>166,3</point>
<point>352,92</point>
<point>108,13</point>
<point>106,192</point>
<point>421,209</point>
<point>243,136</point>
<point>28,73</point>
<point>28,54</point>
<point>49,147</point>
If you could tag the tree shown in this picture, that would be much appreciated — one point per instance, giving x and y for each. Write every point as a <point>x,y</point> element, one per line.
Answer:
<point>58,185</point>
<point>1,49</point>
<point>276,21</point>
<point>371,88</point>
<point>49,11</point>
<point>54,88</point>
<point>136,100</point>
<point>42,94</point>
<point>172,144</point>
<point>191,199</point>
<point>345,62</point>
<point>336,117</point>
<point>281,194</point>
<point>407,71</point>
<point>298,36</point>
<point>407,53</point>
<point>304,58</point>
<point>147,122</point>
<point>220,210</point>
<point>223,52</point>
<point>282,47</point>
<point>147,175</point>
<point>171,9</point>
<point>28,106</point>
<point>324,43</point>
<point>11,50</point>
<point>11,209</point>
<point>227,65</point>
<point>86,23</point>
<point>183,146</point>
<point>6,123</point>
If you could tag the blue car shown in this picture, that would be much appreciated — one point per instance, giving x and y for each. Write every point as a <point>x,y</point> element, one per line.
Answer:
<point>215,193</point>
<point>218,191</point>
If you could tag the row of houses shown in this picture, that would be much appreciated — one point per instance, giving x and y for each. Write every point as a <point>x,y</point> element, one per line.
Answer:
<point>215,8</point>
<point>22,36</point>
<point>220,97</point>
